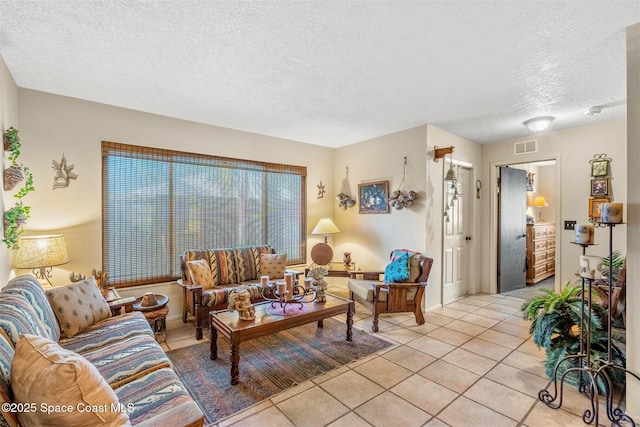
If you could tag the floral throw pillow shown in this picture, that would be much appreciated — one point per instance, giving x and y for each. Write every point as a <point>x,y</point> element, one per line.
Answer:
<point>398,269</point>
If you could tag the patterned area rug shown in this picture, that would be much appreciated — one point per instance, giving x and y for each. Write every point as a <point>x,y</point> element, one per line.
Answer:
<point>268,364</point>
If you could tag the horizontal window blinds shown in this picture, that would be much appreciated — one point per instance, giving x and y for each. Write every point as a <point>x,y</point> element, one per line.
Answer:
<point>158,203</point>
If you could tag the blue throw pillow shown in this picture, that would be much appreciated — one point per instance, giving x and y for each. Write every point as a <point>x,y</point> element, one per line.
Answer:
<point>398,269</point>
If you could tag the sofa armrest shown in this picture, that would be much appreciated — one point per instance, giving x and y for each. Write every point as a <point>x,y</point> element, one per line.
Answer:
<point>185,284</point>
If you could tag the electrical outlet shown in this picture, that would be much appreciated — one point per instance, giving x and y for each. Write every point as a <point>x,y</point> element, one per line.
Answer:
<point>569,225</point>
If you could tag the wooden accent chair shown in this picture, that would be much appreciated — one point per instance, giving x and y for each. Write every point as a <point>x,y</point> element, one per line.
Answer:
<point>367,288</point>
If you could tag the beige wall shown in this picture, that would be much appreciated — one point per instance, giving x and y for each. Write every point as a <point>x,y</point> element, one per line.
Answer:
<point>8,118</point>
<point>633,217</point>
<point>371,237</point>
<point>52,125</point>
<point>572,150</point>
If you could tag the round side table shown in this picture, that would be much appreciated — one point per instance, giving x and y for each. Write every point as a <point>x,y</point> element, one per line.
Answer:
<point>156,317</point>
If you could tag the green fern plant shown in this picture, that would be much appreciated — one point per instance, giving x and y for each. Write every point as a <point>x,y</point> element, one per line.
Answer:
<point>556,328</point>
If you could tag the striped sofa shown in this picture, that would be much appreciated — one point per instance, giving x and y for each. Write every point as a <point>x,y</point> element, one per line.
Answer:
<point>228,268</point>
<point>121,348</point>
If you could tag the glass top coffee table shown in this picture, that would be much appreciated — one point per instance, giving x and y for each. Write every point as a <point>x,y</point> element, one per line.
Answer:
<point>236,330</point>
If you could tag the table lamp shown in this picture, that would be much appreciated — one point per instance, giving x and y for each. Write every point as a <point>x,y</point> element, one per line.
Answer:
<point>539,202</point>
<point>41,253</point>
<point>321,253</point>
<point>325,226</point>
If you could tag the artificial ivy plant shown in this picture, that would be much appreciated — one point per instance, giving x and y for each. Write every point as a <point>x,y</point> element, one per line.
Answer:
<point>16,217</point>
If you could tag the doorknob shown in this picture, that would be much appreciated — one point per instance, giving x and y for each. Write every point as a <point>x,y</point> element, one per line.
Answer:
<point>523,235</point>
<point>467,238</point>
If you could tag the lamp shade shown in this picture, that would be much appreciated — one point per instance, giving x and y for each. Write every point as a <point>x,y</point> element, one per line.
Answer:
<point>325,226</point>
<point>538,124</point>
<point>41,251</point>
<point>539,202</point>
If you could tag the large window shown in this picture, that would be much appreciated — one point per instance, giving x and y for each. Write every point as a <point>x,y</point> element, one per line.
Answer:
<point>158,203</point>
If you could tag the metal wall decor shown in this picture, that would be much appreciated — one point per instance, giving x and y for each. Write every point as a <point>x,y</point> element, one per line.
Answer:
<point>321,190</point>
<point>399,199</point>
<point>63,173</point>
<point>344,198</point>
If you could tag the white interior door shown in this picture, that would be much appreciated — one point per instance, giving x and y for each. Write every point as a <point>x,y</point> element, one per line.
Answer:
<point>456,237</point>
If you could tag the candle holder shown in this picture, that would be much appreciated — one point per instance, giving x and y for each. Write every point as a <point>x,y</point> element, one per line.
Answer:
<point>281,295</point>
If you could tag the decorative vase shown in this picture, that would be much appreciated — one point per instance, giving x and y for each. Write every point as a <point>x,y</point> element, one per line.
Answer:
<point>12,176</point>
<point>347,260</point>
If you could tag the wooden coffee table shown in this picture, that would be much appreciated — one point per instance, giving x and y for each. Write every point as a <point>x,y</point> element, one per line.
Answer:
<point>237,330</point>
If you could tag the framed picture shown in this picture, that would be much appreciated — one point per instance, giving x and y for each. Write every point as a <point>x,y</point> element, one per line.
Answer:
<point>599,167</point>
<point>600,187</point>
<point>595,207</point>
<point>374,197</point>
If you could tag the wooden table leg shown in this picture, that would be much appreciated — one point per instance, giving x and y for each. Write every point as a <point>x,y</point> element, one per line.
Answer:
<point>349,324</point>
<point>235,361</point>
<point>214,343</point>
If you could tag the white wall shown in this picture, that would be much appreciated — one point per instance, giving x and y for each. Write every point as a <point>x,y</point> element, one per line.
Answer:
<point>52,125</point>
<point>8,118</point>
<point>371,237</point>
<point>572,150</point>
<point>633,218</point>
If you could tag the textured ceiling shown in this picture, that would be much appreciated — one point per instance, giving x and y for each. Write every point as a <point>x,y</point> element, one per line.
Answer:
<point>330,72</point>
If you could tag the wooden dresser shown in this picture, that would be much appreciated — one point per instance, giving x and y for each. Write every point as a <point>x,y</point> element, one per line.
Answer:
<point>541,251</point>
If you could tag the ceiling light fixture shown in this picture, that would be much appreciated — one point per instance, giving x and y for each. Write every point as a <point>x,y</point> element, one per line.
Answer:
<point>538,124</point>
<point>597,109</point>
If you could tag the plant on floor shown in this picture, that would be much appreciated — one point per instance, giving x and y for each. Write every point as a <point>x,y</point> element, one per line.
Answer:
<point>15,218</point>
<point>556,328</point>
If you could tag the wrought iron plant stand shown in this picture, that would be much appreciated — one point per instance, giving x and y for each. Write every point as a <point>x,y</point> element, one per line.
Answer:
<point>590,370</point>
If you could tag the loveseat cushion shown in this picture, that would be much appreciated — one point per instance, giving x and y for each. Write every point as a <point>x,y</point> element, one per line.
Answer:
<point>128,359</point>
<point>46,374</point>
<point>223,266</point>
<point>247,260</point>
<point>28,287</point>
<point>158,399</point>
<point>108,332</point>
<point>78,305</point>
<point>17,316</point>
<point>215,297</point>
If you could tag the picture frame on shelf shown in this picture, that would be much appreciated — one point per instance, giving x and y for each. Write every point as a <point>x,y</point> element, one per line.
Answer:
<point>374,197</point>
<point>595,206</point>
<point>600,187</point>
<point>599,168</point>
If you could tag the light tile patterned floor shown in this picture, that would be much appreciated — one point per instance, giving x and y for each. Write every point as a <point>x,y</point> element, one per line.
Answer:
<point>472,364</point>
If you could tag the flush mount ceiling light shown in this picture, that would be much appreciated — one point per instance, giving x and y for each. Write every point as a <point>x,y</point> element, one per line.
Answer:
<point>538,124</point>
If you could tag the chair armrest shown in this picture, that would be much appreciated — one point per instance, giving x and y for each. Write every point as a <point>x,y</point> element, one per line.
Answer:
<point>366,275</point>
<point>404,284</point>
<point>188,285</point>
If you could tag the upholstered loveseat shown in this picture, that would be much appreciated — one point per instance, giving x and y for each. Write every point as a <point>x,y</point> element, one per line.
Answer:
<point>210,275</point>
<point>66,361</point>
<point>400,290</point>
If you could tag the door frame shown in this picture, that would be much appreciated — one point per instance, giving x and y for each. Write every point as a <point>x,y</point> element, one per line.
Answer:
<point>493,211</point>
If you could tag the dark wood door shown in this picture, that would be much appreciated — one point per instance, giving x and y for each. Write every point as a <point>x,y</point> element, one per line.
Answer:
<point>512,229</point>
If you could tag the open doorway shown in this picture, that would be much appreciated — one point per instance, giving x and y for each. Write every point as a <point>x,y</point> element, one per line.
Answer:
<point>538,243</point>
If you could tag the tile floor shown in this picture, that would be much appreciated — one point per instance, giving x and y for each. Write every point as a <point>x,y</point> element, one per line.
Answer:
<point>471,364</point>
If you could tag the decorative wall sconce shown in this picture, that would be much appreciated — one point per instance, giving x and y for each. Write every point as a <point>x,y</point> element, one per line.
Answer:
<point>399,199</point>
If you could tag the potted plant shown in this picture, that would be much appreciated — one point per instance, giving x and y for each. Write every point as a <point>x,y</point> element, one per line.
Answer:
<point>556,321</point>
<point>15,218</point>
